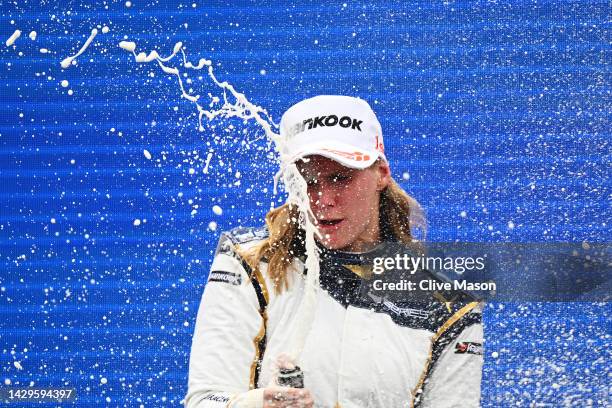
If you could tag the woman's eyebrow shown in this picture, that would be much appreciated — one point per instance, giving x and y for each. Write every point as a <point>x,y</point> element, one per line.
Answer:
<point>346,173</point>
<point>305,170</point>
<point>310,174</point>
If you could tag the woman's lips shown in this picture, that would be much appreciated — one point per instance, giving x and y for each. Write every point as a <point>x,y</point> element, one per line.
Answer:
<point>329,225</point>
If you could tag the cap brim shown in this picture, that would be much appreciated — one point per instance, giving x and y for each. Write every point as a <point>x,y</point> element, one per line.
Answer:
<point>346,155</point>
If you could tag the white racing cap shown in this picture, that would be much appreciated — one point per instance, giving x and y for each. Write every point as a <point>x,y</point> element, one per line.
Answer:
<point>342,128</point>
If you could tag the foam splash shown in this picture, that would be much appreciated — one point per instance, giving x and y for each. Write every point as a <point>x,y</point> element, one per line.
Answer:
<point>297,190</point>
<point>11,40</point>
<point>236,105</point>
<point>66,62</point>
<point>208,158</point>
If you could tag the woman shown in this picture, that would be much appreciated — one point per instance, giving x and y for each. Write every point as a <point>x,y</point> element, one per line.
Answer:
<point>361,350</point>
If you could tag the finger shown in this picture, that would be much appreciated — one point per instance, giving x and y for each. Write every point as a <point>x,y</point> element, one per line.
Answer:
<point>302,402</point>
<point>290,394</point>
<point>299,395</point>
<point>287,397</point>
<point>278,398</point>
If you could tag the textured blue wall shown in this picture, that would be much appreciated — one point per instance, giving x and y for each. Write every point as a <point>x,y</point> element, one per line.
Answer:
<point>496,117</point>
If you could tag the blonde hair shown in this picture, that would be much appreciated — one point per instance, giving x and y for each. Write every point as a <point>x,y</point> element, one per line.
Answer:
<point>400,215</point>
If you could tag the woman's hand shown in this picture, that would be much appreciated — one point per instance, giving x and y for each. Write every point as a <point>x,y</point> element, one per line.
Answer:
<point>283,397</point>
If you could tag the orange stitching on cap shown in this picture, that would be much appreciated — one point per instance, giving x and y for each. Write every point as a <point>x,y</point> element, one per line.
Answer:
<point>357,156</point>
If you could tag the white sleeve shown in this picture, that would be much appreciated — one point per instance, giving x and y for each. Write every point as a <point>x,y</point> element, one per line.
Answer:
<point>228,340</point>
<point>455,370</point>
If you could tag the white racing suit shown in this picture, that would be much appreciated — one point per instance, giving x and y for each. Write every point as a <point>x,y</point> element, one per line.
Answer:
<point>359,353</point>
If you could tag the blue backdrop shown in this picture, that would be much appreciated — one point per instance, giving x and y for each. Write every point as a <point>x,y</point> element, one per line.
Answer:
<point>496,117</point>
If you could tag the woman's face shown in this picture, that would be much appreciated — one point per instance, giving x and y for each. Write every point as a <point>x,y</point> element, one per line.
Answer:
<point>345,202</point>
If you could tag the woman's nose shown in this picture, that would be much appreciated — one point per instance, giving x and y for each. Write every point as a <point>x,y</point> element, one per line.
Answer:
<point>324,196</point>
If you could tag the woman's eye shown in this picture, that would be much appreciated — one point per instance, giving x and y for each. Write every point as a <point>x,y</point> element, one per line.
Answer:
<point>339,178</point>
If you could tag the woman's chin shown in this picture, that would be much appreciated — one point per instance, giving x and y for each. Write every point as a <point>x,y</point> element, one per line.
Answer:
<point>330,241</point>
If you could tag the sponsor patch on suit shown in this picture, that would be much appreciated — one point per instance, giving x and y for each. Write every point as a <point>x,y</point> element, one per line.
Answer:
<point>468,347</point>
<point>226,277</point>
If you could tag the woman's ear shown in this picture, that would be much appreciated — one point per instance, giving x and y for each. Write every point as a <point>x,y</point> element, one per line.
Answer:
<point>384,175</point>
